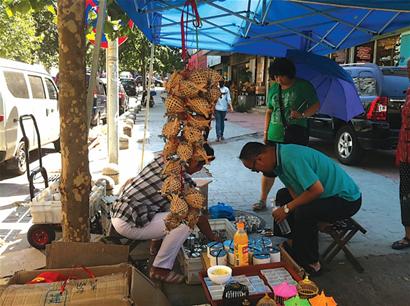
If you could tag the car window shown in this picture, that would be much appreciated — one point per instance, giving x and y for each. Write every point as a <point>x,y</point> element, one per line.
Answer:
<point>16,84</point>
<point>395,86</point>
<point>366,86</point>
<point>37,88</point>
<point>52,91</point>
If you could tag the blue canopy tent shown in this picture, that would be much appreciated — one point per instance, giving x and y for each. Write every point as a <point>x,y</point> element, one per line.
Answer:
<point>269,27</point>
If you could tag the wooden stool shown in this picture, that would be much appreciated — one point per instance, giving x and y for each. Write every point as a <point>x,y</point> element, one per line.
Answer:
<point>341,231</point>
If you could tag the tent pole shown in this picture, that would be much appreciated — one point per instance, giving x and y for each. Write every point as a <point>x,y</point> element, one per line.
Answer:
<point>148,97</point>
<point>112,101</point>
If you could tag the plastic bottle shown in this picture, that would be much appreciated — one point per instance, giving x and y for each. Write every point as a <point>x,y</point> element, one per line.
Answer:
<point>240,241</point>
<point>284,226</point>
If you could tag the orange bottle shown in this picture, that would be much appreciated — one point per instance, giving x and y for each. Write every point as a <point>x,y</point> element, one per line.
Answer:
<point>240,241</point>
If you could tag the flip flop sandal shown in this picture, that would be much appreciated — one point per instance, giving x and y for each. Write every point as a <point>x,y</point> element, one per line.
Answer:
<point>171,278</point>
<point>259,206</point>
<point>401,244</point>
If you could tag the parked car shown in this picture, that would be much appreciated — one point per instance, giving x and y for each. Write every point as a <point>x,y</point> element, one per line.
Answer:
<point>123,99</point>
<point>382,91</point>
<point>99,111</point>
<point>26,89</point>
<point>130,86</point>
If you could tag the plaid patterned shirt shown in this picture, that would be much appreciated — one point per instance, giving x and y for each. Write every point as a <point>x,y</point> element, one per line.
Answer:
<point>140,197</point>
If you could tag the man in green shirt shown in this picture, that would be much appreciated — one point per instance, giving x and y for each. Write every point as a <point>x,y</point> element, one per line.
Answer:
<point>317,189</point>
<point>299,101</point>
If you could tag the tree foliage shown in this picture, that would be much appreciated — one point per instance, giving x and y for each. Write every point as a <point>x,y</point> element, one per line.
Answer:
<point>18,37</point>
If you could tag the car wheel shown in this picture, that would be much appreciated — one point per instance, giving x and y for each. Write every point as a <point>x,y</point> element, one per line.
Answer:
<point>19,165</point>
<point>347,147</point>
<point>39,235</point>
<point>57,145</point>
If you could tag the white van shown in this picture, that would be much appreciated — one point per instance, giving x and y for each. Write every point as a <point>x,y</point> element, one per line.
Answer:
<point>26,89</point>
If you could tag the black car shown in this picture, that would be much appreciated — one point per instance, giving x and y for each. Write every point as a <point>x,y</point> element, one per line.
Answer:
<point>382,91</point>
<point>130,86</point>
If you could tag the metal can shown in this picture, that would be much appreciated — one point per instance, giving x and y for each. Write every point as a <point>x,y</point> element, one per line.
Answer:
<point>274,254</point>
<point>214,245</point>
<point>261,258</point>
<point>228,244</point>
<point>218,257</point>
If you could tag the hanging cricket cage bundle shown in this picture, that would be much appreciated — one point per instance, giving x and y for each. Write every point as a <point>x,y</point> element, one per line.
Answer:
<point>172,167</point>
<point>174,105</point>
<point>184,151</point>
<point>171,128</point>
<point>178,206</point>
<point>172,184</point>
<point>170,148</point>
<point>192,217</point>
<point>192,135</point>
<point>195,199</point>
<point>173,81</point>
<point>197,121</point>
<point>172,221</point>
<point>199,106</point>
<point>187,89</point>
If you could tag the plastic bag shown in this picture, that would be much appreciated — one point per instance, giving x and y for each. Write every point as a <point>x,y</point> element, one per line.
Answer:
<point>222,210</point>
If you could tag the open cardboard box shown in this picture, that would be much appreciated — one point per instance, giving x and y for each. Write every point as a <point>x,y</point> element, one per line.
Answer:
<point>101,259</point>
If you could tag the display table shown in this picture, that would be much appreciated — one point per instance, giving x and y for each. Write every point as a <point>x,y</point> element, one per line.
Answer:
<point>248,271</point>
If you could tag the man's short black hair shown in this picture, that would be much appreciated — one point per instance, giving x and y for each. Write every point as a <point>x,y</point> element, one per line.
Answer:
<point>251,150</point>
<point>282,66</point>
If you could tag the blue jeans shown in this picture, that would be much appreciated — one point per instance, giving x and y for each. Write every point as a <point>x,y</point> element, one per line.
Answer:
<point>220,123</point>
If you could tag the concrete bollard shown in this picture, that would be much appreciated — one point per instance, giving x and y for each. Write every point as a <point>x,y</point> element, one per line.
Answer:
<point>124,140</point>
<point>112,171</point>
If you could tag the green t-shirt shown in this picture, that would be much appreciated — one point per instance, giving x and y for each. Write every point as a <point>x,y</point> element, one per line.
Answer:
<point>299,167</point>
<point>293,98</point>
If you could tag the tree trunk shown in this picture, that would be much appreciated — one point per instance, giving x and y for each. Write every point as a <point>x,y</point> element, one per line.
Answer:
<point>75,182</point>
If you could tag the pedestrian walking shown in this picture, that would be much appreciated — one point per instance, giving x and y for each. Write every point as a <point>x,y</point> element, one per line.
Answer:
<point>221,108</point>
<point>403,161</point>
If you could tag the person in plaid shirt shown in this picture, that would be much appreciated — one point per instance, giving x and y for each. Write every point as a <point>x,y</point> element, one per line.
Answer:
<point>139,214</point>
<point>403,160</point>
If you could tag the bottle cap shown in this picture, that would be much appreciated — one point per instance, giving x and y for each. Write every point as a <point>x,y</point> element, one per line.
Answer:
<point>240,225</point>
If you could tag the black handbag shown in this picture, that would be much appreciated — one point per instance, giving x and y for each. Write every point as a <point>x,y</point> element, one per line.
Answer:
<point>294,133</point>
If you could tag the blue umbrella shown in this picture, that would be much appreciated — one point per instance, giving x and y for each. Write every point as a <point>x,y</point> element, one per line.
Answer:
<point>335,89</point>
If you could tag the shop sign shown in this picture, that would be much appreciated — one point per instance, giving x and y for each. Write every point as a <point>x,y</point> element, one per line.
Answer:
<point>364,53</point>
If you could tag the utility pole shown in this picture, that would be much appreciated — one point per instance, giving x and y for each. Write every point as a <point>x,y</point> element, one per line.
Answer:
<point>112,101</point>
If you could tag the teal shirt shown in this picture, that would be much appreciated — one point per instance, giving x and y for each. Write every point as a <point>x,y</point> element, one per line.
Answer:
<point>299,97</point>
<point>299,167</point>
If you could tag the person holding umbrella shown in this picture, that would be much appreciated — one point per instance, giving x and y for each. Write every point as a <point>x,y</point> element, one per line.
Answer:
<point>290,101</point>
<point>403,160</point>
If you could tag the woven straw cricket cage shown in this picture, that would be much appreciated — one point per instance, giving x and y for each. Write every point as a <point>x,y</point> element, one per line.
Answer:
<point>307,289</point>
<point>184,151</point>
<point>178,206</point>
<point>195,199</point>
<point>200,154</point>
<point>173,81</point>
<point>172,221</point>
<point>170,148</point>
<point>214,94</point>
<point>192,135</point>
<point>171,128</point>
<point>198,121</point>
<point>200,77</point>
<point>200,106</point>
<point>172,167</point>
<point>187,89</point>
<point>192,217</point>
<point>213,76</point>
<point>172,184</point>
<point>174,105</point>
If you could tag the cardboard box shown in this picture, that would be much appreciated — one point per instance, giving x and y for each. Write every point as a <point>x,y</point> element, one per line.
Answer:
<point>64,255</point>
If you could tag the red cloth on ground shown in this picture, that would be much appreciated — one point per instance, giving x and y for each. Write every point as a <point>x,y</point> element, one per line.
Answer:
<point>403,147</point>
